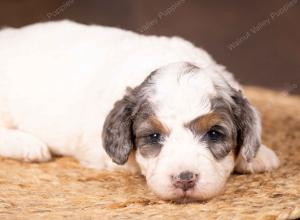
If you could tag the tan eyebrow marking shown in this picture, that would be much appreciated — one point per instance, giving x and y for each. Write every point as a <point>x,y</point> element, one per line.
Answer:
<point>204,122</point>
<point>151,124</point>
<point>157,125</point>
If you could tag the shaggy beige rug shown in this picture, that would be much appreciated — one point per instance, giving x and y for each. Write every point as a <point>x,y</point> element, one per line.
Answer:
<point>61,189</point>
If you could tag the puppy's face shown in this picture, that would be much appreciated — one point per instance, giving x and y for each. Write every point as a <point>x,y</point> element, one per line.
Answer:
<point>186,126</point>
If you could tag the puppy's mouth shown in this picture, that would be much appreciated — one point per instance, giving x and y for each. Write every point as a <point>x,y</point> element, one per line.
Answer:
<point>183,196</point>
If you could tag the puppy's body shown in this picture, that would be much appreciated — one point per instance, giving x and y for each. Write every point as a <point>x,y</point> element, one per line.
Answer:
<point>60,80</point>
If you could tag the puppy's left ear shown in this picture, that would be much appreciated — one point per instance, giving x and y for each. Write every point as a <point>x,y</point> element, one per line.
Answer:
<point>117,130</point>
<point>248,126</point>
<point>252,156</point>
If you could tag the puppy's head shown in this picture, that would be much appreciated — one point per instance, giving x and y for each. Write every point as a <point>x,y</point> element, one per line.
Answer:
<point>186,126</point>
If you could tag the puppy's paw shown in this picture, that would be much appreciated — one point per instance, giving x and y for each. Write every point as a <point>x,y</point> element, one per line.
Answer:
<point>265,160</point>
<point>36,151</point>
<point>23,146</point>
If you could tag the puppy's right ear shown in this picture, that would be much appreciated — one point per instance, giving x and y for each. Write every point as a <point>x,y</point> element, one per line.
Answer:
<point>117,130</point>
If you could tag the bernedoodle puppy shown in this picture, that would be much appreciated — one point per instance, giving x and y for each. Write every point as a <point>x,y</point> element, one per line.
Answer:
<point>114,100</point>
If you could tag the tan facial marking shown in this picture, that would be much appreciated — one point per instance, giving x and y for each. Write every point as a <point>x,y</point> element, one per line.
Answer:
<point>204,123</point>
<point>158,126</point>
<point>151,124</point>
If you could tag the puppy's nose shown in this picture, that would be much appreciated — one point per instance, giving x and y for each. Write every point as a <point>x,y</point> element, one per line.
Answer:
<point>185,180</point>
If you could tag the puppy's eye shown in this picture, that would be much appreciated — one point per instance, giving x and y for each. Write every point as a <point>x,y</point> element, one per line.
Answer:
<point>214,135</point>
<point>154,138</point>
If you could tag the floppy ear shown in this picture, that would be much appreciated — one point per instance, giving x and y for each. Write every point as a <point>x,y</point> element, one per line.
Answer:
<point>248,127</point>
<point>117,130</point>
<point>253,157</point>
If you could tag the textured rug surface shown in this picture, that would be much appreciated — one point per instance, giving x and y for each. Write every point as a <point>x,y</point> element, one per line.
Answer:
<point>61,189</point>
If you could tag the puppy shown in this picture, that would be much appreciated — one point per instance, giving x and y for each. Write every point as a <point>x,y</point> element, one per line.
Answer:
<point>117,100</point>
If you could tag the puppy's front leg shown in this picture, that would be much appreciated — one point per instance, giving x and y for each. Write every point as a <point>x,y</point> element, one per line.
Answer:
<point>23,146</point>
<point>265,160</point>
